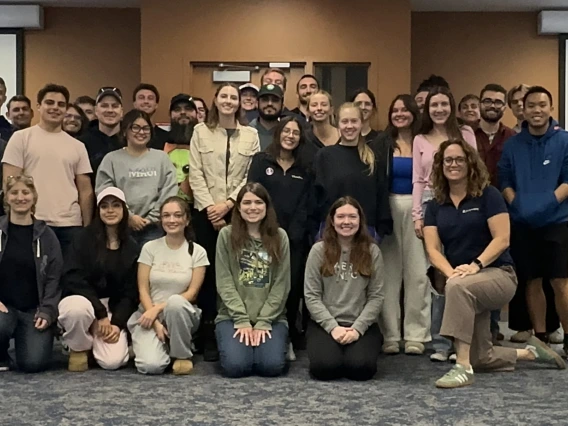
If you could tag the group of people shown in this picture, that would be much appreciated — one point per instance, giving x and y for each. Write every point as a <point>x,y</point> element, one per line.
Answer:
<point>248,231</point>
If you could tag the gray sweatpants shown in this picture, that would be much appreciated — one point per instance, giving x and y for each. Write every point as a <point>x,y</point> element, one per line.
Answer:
<point>181,319</point>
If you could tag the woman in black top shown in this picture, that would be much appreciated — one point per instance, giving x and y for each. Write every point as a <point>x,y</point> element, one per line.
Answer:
<point>469,219</point>
<point>351,168</point>
<point>99,287</point>
<point>30,268</point>
<point>365,100</point>
<point>283,170</point>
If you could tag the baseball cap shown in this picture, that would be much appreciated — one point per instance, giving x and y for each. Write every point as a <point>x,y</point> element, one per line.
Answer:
<point>248,86</point>
<point>111,190</point>
<point>109,91</point>
<point>271,89</point>
<point>182,98</point>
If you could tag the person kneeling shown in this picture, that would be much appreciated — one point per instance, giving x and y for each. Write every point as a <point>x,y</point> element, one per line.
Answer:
<point>171,270</point>
<point>469,218</point>
<point>253,282</point>
<point>99,287</point>
<point>343,293</point>
<point>30,268</point>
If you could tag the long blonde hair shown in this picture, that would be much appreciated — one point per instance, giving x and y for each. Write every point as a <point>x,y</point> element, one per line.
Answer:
<point>366,154</point>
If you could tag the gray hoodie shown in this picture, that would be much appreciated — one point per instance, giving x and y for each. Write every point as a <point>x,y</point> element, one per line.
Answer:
<point>147,181</point>
<point>49,264</point>
<point>346,298</point>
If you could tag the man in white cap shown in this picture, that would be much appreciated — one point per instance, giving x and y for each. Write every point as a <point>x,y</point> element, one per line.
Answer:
<point>249,100</point>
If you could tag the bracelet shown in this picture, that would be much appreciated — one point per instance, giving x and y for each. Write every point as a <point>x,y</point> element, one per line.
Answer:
<point>478,263</point>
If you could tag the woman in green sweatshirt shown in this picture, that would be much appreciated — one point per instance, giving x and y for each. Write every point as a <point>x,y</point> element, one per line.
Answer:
<point>253,281</point>
<point>343,290</point>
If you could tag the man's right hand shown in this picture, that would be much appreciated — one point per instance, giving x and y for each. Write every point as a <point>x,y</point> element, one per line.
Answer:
<point>3,308</point>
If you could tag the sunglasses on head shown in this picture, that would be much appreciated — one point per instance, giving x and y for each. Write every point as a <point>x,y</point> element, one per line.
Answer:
<point>110,89</point>
<point>24,178</point>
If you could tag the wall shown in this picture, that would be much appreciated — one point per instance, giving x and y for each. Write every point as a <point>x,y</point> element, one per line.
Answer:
<point>275,30</point>
<point>473,49</point>
<point>84,49</point>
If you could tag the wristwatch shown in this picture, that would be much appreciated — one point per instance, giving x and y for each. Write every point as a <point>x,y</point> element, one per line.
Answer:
<point>478,263</point>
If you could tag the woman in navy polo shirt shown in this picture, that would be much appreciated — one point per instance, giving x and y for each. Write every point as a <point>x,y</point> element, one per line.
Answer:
<point>469,218</point>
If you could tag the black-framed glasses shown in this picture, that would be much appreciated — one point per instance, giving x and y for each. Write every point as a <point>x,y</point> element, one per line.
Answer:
<point>448,161</point>
<point>497,102</point>
<point>140,129</point>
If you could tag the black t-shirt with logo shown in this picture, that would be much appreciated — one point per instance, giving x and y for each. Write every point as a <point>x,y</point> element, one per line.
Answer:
<point>464,231</point>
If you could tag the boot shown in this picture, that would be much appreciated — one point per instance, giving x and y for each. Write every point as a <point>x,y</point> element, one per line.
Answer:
<point>182,367</point>
<point>210,352</point>
<point>78,361</point>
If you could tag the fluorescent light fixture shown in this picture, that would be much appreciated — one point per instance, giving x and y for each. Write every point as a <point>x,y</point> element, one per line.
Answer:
<point>279,65</point>
<point>231,76</point>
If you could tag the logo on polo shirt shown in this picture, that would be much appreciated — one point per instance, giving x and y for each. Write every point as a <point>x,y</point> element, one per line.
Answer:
<point>297,177</point>
<point>269,171</point>
<point>546,162</point>
<point>475,209</point>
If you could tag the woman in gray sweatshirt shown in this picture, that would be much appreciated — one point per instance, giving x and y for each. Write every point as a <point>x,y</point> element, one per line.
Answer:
<point>344,295</point>
<point>146,176</point>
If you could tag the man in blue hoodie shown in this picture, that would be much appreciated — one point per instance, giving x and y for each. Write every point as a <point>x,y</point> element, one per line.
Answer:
<point>533,173</point>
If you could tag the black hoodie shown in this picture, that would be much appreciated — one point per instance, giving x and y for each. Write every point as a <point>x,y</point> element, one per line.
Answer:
<point>98,145</point>
<point>6,129</point>
<point>48,263</point>
<point>87,277</point>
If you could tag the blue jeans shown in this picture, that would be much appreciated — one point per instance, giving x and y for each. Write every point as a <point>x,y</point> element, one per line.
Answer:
<point>65,235</point>
<point>439,343</point>
<point>33,347</point>
<point>149,233</point>
<point>239,360</point>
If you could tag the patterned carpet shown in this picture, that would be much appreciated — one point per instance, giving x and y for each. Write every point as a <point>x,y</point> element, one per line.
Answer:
<point>401,394</point>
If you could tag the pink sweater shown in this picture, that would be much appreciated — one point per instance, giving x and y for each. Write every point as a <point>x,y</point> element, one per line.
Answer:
<point>422,158</point>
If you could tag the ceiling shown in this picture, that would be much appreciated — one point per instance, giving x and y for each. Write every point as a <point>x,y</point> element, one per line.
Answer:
<point>417,5</point>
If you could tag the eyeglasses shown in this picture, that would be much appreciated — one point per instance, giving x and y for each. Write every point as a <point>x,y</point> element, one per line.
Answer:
<point>448,161</point>
<point>295,133</point>
<point>72,117</point>
<point>488,102</point>
<point>140,129</point>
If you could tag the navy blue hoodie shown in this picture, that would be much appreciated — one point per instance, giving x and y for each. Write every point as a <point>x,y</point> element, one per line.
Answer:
<point>534,167</point>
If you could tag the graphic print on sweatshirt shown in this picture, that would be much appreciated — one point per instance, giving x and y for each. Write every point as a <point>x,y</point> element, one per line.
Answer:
<point>343,269</point>
<point>254,268</point>
<point>143,172</point>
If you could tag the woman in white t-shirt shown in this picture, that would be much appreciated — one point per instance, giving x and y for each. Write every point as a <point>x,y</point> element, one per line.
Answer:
<point>170,273</point>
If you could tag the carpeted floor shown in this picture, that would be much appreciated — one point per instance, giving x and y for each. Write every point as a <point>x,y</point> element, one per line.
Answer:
<point>402,393</point>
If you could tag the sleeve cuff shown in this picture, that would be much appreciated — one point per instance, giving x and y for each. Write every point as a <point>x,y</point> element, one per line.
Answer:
<point>263,325</point>
<point>329,325</point>
<point>361,329</point>
<point>243,324</point>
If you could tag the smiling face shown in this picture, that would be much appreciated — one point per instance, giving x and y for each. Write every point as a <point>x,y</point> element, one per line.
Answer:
<point>365,104</point>
<point>469,111</point>
<point>248,99</point>
<point>346,221</point>
<point>517,104</point>
<point>306,87</point>
<point>270,107</point>
<point>537,110</point>
<point>252,208</point>
<point>350,124</point>
<point>183,113</point>
<point>72,121</point>
<point>20,198</point>
<point>227,100</point>
<point>174,218</point>
<point>455,164</point>
<point>109,111</point>
<point>420,99</point>
<point>320,108</point>
<point>52,109</point>
<point>20,114</point>
<point>290,136</point>
<point>138,135</point>
<point>440,108</point>
<point>492,106</point>
<point>401,117</point>
<point>111,210</point>
<point>201,111</point>
<point>146,100</point>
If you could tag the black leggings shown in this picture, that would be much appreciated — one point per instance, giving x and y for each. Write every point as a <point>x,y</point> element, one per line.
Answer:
<point>330,360</point>
<point>297,269</point>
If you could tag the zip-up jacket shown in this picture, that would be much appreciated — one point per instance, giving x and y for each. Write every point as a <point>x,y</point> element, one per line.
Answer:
<point>534,166</point>
<point>85,275</point>
<point>48,262</point>
<point>291,192</point>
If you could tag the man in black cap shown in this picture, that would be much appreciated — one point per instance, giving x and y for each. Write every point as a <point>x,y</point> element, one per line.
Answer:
<point>270,105</point>
<point>102,136</point>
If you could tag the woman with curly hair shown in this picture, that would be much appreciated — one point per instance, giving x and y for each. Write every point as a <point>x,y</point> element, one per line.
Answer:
<point>343,292</point>
<point>469,218</point>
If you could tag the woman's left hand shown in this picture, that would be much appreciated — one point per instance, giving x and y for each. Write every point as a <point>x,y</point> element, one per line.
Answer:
<point>464,270</point>
<point>113,336</point>
<point>351,336</point>
<point>259,336</point>
<point>40,324</point>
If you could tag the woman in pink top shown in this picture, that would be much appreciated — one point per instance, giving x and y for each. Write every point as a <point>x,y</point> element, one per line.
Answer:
<point>439,123</point>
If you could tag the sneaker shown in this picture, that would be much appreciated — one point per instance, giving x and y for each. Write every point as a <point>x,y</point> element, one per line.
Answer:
<point>182,367</point>
<point>457,377</point>
<point>391,348</point>
<point>453,358</point>
<point>521,336</point>
<point>413,348</point>
<point>78,361</point>
<point>439,357</point>
<point>4,365</point>
<point>544,353</point>
<point>556,338</point>
<point>290,355</point>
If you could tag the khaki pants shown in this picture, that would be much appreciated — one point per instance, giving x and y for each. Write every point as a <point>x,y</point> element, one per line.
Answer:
<point>469,302</point>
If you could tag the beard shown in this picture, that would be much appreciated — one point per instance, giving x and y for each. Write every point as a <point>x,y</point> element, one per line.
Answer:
<point>494,119</point>
<point>269,117</point>
<point>181,133</point>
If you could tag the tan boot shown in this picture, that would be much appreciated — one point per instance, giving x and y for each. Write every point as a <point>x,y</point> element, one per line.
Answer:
<point>521,336</point>
<point>182,367</point>
<point>78,361</point>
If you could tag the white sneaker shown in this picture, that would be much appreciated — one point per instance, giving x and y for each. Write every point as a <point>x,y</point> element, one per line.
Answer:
<point>439,357</point>
<point>453,357</point>
<point>290,355</point>
<point>556,338</point>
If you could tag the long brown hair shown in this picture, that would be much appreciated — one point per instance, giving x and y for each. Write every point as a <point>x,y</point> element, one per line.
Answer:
<point>268,226</point>
<point>188,229</point>
<point>410,105</point>
<point>477,174</point>
<point>213,115</point>
<point>360,255</point>
<point>366,154</point>
<point>452,125</point>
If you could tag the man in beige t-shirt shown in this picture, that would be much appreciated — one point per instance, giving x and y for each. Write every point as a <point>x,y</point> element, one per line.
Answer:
<point>59,165</point>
